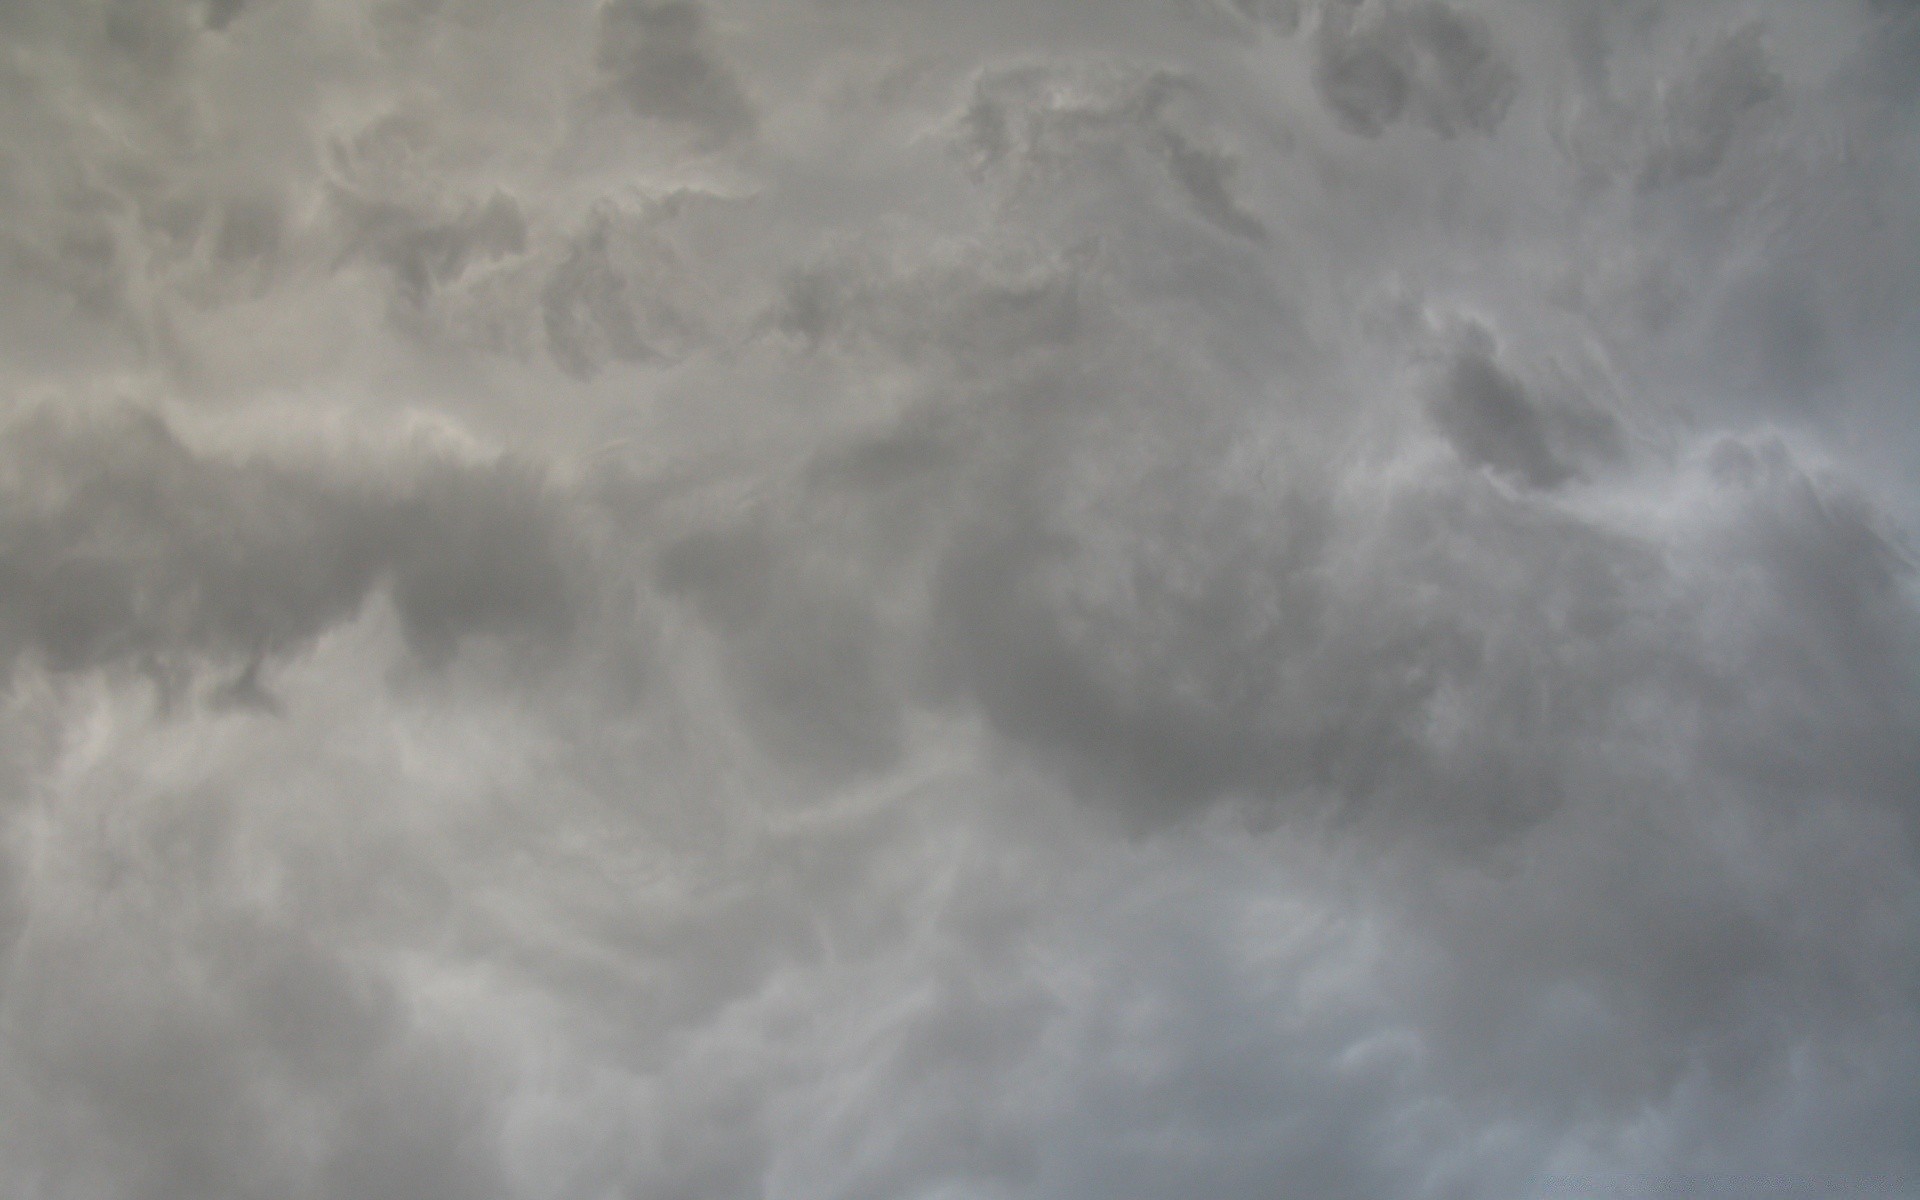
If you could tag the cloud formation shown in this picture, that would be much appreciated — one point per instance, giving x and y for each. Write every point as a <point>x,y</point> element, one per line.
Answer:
<point>1375,64</point>
<point>657,59</point>
<point>122,545</point>
<point>800,599</point>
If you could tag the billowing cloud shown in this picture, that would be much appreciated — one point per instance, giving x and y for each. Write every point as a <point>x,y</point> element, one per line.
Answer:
<point>826,598</point>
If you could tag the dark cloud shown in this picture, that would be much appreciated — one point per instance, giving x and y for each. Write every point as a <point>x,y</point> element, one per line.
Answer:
<point>124,546</point>
<point>1236,598</point>
<point>1427,62</point>
<point>660,60</point>
<point>1486,414</point>
<point>1200,654</point>
<point>220,13</point>
<point>1204,175</point>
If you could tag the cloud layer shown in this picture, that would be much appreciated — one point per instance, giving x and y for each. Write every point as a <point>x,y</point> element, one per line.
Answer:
<point>838,599</point>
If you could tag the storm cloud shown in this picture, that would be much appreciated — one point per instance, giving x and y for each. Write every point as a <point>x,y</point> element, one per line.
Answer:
<point>841,598</point>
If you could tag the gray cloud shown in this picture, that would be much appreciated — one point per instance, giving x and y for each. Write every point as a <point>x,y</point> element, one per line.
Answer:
<point>1702,111</point>
<point>220,13</point>
<point>422,250</point>
<point>1047,600</point>
<point>1026,124</point>
<point>124,546</point>
<point>1494,420</point>
<point>1282,16</point>
<point>620,293</point>
<point>1427,62</point>
<point>1683,128</point>
<point>658,58</point>
<point>808,668</point>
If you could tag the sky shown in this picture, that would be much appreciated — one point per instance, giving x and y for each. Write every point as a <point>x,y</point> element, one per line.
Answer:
<point>1021,600</point>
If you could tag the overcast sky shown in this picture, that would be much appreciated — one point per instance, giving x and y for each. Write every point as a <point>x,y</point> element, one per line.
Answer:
<point>891,600</point>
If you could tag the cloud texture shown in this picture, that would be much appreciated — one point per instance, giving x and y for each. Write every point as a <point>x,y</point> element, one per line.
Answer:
<point>848,598</point>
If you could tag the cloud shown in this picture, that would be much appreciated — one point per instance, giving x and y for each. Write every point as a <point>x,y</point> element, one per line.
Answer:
<point>1427,62</point>
<point>620,292</point>
<point>1685,128</point>
<point>1702,112</point>
<point>124,546</point>
<point>1282,16</point>
<point>1047,600</point>
<point>658,58</point>
<point>422,251</point>
<point>1027,123</point>
<point>1491,420</point>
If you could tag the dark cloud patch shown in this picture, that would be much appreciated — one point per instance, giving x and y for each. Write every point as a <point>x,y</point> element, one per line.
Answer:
<point>901,458</point>
<point>1131,736</point>
<point>660,59</point>
<point>220,13</point>
<point>1429,62</point>
<point>434,244</point>
<point>87,261</point>
<point>729,576</point>
<point>1696,974</point>
<point>1205,175</point>
<point>1177,656</point>
<point>124,546</point>
<point>250,230</point>
<point>144,44</point>
<point>476,552</point>
<point>1486,413</point>
<point>1363,79</point>
<point>814,680</point>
